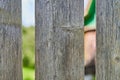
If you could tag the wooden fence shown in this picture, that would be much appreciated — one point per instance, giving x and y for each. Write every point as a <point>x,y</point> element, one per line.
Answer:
<point>60,40</point>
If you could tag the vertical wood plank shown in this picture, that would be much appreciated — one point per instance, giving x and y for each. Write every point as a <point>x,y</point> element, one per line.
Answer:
<point>108,40</point>
<point>10,40</point>
<point>59,40</point>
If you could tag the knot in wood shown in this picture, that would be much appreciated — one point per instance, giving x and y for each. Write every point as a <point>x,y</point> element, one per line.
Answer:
<point>117,59</point>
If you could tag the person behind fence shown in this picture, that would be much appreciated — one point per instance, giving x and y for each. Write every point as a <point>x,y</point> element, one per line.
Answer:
<point>89,36</point>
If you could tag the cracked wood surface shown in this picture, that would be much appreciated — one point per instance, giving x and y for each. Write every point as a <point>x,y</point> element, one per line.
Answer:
<point>59,40</point>
<point>108,40</point>
<point>10,40</point>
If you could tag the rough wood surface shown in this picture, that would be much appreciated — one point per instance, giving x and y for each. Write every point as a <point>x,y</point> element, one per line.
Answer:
<point>108,40</point>
<point>59,40</point>
<point>10,40</point>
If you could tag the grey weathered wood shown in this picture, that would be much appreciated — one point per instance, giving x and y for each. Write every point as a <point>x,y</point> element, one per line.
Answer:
<point>108,40</point>
<point>10,40</point>
<point>59,40</point>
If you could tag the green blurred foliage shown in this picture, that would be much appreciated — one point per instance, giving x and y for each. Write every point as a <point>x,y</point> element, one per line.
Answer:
<point>28,50</point>
<point>28,74</point>
<point>28,46</point>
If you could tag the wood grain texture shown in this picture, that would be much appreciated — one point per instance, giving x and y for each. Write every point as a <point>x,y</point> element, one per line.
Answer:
<point>59,40</point>
<point>10,40</point>
<point>108,40</point>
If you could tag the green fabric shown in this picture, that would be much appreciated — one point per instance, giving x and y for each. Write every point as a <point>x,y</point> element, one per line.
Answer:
<point>90,19</point>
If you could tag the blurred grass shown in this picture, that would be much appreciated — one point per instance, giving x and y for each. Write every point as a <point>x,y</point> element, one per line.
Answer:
<point>28,74</point>
<point>94,78</point>
<point>28,50</point>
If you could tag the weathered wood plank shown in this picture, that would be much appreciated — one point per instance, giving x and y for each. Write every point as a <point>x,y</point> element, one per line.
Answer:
<point>10,40</point>
<point>108,40</point>
<point>59,40</point>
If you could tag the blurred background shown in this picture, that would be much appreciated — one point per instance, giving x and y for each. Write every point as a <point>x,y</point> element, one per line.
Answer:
<point>28,39</point>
